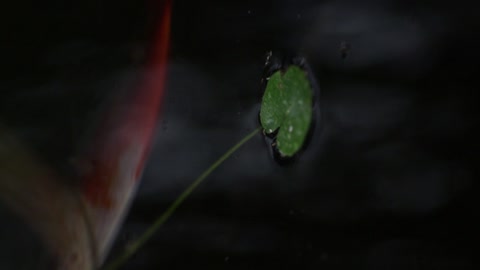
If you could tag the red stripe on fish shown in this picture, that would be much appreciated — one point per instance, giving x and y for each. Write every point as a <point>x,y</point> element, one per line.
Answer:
<point>137,126</point>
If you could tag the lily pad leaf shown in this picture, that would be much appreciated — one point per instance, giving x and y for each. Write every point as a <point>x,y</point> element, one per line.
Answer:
<point>287,107</point>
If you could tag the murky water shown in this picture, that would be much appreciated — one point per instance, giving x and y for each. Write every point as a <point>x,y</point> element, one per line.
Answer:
<point>388,180</point>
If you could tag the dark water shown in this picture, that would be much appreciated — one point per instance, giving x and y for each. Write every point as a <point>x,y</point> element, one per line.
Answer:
<point>388,181</point>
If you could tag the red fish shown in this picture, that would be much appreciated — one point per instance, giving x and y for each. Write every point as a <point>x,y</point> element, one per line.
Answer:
<point>121,152</point>
<point>79,224</point>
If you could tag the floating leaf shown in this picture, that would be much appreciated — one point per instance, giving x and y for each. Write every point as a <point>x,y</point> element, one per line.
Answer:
<point>287,106</point>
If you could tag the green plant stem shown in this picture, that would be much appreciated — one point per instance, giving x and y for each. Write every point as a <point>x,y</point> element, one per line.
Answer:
<point>134,247</point>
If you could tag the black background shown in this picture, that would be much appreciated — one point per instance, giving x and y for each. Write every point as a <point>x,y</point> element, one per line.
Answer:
<point>389,179</point>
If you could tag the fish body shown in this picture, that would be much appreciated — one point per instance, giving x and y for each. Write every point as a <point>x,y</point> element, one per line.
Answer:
<point>79,223</point>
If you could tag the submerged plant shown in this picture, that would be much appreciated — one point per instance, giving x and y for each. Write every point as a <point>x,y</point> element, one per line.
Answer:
<point>79,222</point>
<point>286,107</point>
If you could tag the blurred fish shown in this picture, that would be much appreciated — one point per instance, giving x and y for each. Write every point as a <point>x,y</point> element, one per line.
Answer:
<point>53,208</point>
<point>79,222</point>
<point>122,147</point>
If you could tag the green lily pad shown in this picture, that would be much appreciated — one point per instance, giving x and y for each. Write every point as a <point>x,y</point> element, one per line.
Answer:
<point>287,107</point>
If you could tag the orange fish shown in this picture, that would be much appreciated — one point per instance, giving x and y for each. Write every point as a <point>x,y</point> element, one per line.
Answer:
<point>78,224</point>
